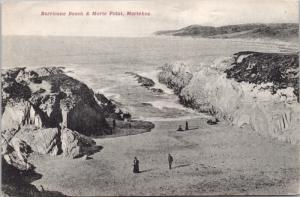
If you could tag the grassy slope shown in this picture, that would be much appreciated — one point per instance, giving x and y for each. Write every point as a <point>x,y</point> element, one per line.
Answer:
<point>281,31</point>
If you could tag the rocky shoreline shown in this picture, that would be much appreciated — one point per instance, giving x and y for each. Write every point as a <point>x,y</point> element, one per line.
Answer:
<point>253,89</point>
<point>45,111</point>
<point>145,82</point>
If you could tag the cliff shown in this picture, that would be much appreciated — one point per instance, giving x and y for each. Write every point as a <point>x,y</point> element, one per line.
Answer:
<point>46,97</point>
<point>253,89</point>
<point>53,113</point>
<point>279,31</point>
<point>47,112</point>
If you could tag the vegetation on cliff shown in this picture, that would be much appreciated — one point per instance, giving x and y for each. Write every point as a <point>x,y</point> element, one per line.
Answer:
<point>282,70</point>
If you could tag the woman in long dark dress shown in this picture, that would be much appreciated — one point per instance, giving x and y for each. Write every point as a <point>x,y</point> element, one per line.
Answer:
<point>136,168</point>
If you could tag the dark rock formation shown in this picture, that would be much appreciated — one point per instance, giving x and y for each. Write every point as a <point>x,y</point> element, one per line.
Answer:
<point>280,31</point>
<point>282,70</point>
<point>48,112</point>
<point>45,111</point>
<point>145,82</point>
<point>46,97</point>
<point>110,108</point>
<point>142,80</point>
<point>157,90</point>
<point>16,182</point>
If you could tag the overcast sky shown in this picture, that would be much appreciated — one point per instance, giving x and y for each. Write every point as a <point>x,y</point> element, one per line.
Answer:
<point>24,18</point>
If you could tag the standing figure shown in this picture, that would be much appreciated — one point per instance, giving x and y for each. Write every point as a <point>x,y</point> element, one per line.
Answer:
<point>136,167</point>
<point>186,125</point>
<point>42,188</point>
<point>179,128</point>
<point>170,160</point>
<point>114,124</point>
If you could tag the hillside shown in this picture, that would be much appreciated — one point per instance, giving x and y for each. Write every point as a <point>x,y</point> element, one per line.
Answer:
<point>280,31</point>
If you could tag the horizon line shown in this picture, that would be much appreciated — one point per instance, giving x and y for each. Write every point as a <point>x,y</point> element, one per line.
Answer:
<point>151,34</point>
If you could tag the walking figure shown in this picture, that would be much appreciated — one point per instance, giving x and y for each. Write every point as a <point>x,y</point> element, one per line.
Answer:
<point>114,123</point>
<point>186,125</point>
<point>170,159</point>
<point>136,167</point>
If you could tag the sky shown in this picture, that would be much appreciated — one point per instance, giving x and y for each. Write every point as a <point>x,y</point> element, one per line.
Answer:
<point>24,18</point>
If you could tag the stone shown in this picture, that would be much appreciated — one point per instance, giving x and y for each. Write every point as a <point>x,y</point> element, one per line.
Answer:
<point>44,141</point>
<point>76,145</point>
<point>18,113</point>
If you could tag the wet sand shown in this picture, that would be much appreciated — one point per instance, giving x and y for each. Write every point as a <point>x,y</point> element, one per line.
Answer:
<point>208,159</point>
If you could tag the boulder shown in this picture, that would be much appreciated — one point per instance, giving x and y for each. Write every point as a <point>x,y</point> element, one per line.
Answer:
<point>16,154</point>
<point>44,141</point>
<point>76,145</point>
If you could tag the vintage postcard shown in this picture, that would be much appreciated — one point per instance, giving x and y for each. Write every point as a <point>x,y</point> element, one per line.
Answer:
<point>150,98</point>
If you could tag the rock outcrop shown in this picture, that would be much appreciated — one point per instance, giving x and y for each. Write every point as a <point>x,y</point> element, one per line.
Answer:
<point>110,108</point>
<point>279,70</point>
<point>249,88</point>
<point>37,108</point>
<point>47,112</point>
<point>53,113</point>
<point>46,97</point>
<point>175,76</point>
<point>44,141</point>
<point>44,111</point>
<point>74,145</point>
<point>145,82</point>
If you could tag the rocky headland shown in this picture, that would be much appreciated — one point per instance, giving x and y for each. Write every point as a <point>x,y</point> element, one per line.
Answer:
<point>277,31</point>
<point>248,89</point>
<point>44,111</point>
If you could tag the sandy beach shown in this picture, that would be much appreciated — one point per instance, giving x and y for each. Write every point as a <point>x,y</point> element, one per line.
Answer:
<point>208,159</point>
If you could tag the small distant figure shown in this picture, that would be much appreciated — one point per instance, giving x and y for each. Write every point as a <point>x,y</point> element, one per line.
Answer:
<point>212,121</point>
<point>114,123</point>
<point>42,188</point>
<point>136,167</point>
<point>170,160</point>
<point>179,128</point>
<point>186,125</point>
<point>129,125</point>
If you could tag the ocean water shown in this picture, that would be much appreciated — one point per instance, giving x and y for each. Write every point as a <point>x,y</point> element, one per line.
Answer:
<point>102,62</point>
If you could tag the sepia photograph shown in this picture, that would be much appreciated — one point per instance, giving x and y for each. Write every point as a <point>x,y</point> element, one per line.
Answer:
<point>150,98</point>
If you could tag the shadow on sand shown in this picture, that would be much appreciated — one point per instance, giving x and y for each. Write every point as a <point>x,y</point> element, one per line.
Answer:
<point>90,151</point>
<point>192,129</point>
<point>149,170</point>
<point>181,166</point>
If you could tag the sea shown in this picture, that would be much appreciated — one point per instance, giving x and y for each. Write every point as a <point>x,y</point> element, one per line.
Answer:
<point>102,63</point>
